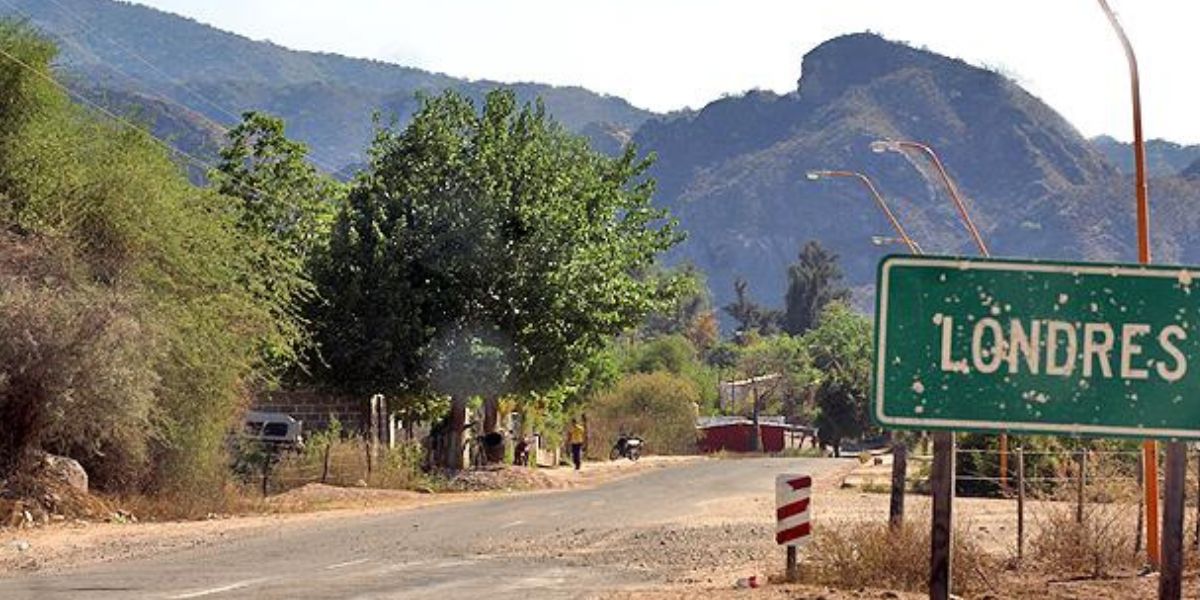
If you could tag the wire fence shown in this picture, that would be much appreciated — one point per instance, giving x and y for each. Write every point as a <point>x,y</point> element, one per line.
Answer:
<point>1063,504</point>
<point>352,462</point>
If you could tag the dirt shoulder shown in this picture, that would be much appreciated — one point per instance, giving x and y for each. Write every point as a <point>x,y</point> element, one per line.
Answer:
<point>68,544</point>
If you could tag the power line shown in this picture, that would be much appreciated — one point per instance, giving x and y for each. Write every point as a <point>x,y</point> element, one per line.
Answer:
<point>84,99</point>
<point>178,83</point>
<point>174,81</point>
<point>105,111</point>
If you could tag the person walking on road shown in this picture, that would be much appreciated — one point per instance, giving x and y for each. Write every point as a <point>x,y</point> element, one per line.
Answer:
<point>577,436</point>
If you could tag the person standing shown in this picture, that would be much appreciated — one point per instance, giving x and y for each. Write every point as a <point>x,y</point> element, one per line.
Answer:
<point>577,437</point>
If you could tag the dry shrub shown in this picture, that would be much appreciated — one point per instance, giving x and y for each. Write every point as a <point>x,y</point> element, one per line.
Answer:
<point>658,407</point>
<point>1103,542</point>
<point>1099,546</point>
<point>848,555</point>
<point>76,378</point>
<point>42,496</point>
<point>206,502</point>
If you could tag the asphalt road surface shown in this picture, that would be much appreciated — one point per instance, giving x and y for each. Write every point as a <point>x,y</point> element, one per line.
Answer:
<point>434,552</point>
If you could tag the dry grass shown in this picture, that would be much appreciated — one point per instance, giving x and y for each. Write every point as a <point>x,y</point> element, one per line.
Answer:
<point>847,555</point>
<point>226,499</point>
<point>1099,546</point>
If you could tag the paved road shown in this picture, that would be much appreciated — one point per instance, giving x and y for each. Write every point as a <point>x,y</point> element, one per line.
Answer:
<point>432,552</point>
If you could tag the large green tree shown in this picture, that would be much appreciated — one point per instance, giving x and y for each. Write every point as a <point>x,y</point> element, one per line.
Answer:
<point>840,349</point>
<point>786,357</point>
<point>814,281</point>
<point>491,229</point>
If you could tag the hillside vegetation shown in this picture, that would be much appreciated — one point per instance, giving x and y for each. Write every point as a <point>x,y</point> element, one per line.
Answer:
<point>130,331</point>
<point>486,255</point>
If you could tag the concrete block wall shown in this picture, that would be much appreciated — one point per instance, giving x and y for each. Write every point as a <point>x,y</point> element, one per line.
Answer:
<point>313,407</point>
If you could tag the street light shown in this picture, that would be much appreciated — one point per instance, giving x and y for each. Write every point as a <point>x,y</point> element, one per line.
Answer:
<point>866,181</point>
<point>1175,451</point>
<point>901,146</point>
<point>883,240</point>
<point>899,450</point>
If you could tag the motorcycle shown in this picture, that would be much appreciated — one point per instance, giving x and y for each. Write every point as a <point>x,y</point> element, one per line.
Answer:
<point>628,446</point>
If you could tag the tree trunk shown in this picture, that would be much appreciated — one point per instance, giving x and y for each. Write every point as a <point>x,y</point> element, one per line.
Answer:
<point>491,424</point>
<point>455,423</point>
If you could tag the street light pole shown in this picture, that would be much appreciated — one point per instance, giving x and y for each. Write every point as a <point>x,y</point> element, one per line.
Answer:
<point>899,449</point>
<point>902,146</point>
<point>879,201</point>
<point>1176,457</point>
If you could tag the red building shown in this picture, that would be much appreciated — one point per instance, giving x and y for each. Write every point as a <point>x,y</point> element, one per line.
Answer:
<point>736,434</point>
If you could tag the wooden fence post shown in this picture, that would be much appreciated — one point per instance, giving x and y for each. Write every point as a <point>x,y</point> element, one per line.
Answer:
<point>325,461</point>
<point>899,474</point>
<point>1079,488</point>
<point>1141,514</point>
<point>1004,463</point>
<point>266,472</point>
<point>1197,540</point>
<point>941,535</point>
<point>1020,502</point>
<point>376,410</point>
<point>1170,580</point>
<point>367,447</point>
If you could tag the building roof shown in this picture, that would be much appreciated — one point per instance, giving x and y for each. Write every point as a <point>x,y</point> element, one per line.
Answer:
<point>724,420</point>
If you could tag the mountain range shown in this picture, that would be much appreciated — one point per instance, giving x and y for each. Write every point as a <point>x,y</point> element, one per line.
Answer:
<point>327,100</point>
<point>733,172</point>
<point>1163,157</point>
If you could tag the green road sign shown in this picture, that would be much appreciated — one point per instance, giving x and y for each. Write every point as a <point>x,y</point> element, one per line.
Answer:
<point>1040,347</point>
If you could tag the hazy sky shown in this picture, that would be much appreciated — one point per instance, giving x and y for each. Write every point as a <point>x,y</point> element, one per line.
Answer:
<point>669,54</point>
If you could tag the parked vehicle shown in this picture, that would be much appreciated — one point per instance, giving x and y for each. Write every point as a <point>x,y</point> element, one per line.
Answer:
<point>275,430</point>
<point>628,446</point>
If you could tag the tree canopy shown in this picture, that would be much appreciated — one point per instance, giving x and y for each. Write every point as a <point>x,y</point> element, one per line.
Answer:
<point>813,283</point>
<point>492,227</point>
<point>840,348</point>
<point>751,317</point>
<point>287,206</point>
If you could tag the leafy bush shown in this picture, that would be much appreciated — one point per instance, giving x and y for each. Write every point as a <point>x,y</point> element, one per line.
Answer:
<point>676,355</point>
<point>659,407</point>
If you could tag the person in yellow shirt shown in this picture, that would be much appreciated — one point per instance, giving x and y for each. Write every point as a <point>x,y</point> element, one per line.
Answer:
<point>577,437</point>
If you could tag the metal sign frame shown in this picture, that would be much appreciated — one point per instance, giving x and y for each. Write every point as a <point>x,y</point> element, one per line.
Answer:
<point>879,405</point>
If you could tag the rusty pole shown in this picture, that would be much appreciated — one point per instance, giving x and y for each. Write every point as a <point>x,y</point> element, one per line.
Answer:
<point>1149,447</point>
